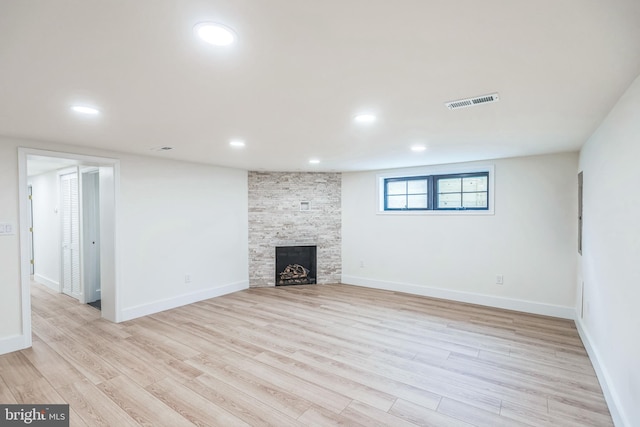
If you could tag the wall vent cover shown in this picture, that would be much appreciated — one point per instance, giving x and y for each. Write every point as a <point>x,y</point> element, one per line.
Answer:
<point>472,102</point>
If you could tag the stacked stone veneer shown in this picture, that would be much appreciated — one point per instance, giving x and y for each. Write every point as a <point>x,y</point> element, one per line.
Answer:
<point>275,219</point>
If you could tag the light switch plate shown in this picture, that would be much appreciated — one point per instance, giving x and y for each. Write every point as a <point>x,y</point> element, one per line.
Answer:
<point>7,229</point>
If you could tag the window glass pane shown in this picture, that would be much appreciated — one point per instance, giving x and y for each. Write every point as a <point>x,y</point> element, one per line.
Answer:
<point>474,183</point>
<point>474,200</point>
<point>449,185</point>
<point>396,187</point>
<point>417,186</point>
<point>397,202</point>
<point>417,202</point>
<point>452,200</point>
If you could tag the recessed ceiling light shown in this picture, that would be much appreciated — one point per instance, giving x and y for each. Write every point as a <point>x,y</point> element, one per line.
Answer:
<point>237,143</point>
<point>365,118</point>
<point>314,161</point>
<point>215,34</point>
<point>418,148</point>
<point>83,109</point>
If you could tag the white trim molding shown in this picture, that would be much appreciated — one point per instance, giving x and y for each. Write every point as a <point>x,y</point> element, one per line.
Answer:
<point>49,283</point>
<point>14,343</point>
<point>466,297</point>
<point>181,300</point>
<point>610,394</point>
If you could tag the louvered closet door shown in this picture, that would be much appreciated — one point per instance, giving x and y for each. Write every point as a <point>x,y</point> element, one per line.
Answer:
<point>70,235</point>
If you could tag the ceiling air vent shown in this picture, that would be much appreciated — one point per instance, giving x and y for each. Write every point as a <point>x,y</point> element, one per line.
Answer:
<point>472,102</point>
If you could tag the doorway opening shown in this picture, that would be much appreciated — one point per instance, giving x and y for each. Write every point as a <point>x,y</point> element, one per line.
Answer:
<point>68,211</point>
<point>79,242</point>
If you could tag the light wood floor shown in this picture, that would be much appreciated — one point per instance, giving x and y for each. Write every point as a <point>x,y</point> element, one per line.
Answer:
<point>306,355</point>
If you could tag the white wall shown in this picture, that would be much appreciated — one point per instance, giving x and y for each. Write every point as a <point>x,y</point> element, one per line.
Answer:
<point>531,240</point>
<point>173,218</point>
<point>10,299</point>
<point>176,219</point>
<point>46,226</point>
<point>611,255</point>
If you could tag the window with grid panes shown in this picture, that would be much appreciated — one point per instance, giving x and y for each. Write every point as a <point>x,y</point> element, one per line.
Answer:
<point>461,191</point>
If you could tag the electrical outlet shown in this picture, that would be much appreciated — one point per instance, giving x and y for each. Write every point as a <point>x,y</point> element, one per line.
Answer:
<point>361,264</point>
<point>499,279</point>
<point>187,278</point>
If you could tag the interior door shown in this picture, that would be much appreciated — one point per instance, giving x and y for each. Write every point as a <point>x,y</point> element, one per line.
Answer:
<point>70,234</point>
<point>91,234</point>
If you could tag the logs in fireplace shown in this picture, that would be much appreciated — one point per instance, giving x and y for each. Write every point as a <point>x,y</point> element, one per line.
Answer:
<point>295,265</point>
<point>293,275</point>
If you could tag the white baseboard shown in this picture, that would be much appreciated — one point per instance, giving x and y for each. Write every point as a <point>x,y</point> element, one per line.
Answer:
<point>180,300</point>
<point>13,343</point>
<point>610,394</point>
<point>51,284</point>
<point>468,297</point>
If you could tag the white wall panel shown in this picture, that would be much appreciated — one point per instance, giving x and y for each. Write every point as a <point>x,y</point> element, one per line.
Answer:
<point>180,219</point>
<point>10,290</point>
<point>611,255</point>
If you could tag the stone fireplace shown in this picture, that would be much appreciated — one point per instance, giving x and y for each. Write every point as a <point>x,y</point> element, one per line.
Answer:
<point>294,209</point>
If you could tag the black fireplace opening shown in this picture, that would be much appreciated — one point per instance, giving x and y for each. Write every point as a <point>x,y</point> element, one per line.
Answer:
<point>295,265</point>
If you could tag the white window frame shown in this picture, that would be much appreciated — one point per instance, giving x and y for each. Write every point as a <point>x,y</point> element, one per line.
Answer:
<point>436,170</point>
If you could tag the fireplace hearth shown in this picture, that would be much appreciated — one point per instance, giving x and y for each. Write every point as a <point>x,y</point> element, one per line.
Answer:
<point>295,265</point>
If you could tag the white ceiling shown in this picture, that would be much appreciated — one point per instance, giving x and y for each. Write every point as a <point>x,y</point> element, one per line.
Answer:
<point>302,69</point>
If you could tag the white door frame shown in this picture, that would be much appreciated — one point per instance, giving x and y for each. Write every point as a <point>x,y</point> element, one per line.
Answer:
<point>109,200</point>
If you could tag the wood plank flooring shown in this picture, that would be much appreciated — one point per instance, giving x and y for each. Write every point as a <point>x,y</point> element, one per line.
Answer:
<point>306,355</point>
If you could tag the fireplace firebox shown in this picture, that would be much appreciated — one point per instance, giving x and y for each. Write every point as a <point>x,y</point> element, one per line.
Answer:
<point>295,265</point>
